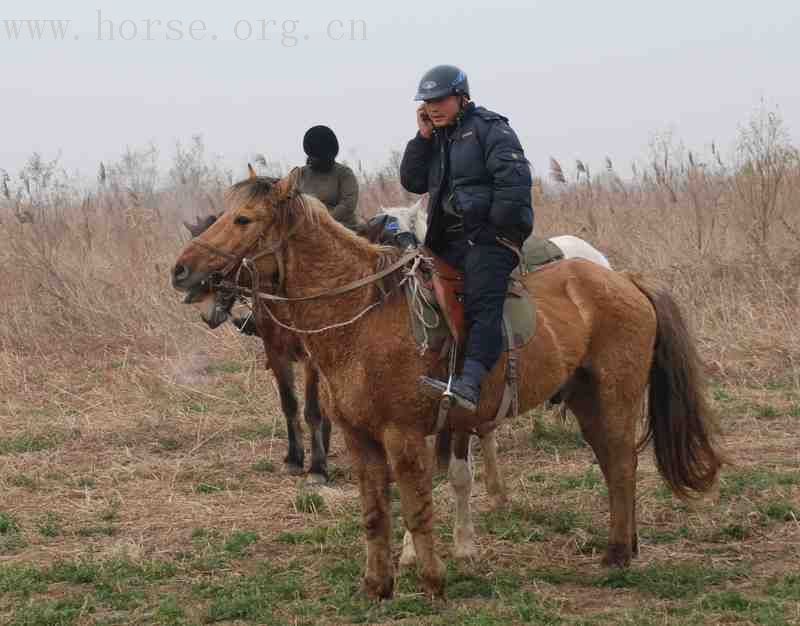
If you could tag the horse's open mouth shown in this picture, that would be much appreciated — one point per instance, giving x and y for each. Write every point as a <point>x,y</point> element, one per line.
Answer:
<point>214,316</point>
<point>196,293</point>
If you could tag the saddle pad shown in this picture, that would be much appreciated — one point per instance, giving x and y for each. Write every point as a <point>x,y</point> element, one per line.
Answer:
<point>520,313</point>
<point>430,328</point>
<point>537,252</point>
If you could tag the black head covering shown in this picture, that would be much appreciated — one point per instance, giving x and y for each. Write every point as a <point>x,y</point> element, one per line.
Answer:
<point>321,146</point>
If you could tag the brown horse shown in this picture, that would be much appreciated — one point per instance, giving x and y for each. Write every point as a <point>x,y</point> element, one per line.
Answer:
<point>602,337</point>
<point>283,349</point>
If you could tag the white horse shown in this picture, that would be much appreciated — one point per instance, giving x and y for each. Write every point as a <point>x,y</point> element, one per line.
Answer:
<point>413,219</point>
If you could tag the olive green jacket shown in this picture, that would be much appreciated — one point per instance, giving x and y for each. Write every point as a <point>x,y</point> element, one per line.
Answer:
<point>337,189</point>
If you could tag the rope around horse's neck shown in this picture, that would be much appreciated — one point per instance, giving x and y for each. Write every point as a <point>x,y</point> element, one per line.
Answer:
<point>409,275</point>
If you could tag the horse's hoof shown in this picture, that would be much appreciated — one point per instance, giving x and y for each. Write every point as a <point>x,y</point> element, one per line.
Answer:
<point>294,469</point>
<point>498,502</point>
<point>465,552</point>
<point>316,480</point>
<point>618,555</point>
<point>434,585</point>
<point>377,588</point>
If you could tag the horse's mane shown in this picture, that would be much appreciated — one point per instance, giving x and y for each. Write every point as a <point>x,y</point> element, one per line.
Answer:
<point>259,190</point>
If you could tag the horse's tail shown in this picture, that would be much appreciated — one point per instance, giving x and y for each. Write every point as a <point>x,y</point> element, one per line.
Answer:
<point>443,448</point>
<point>680,422</point>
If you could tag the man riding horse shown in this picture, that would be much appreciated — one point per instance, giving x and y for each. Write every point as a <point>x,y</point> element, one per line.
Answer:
<point>331,182</point>
<point>471,164</point>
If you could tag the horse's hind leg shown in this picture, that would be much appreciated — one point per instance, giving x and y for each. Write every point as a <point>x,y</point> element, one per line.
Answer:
<point>495,485</point>
<point>460,476</point>
<point>317,424</point>
<point>372,471</point>
<point>608,423</point>
<point>284,376</point>
<point>412,470</point>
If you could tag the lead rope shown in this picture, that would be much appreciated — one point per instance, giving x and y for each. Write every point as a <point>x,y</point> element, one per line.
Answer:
<point>419,302</point>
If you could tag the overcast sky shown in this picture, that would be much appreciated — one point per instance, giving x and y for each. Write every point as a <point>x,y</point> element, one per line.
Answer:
<point>577,79</point>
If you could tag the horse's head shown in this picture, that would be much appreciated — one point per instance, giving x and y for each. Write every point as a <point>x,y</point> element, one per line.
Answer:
<point>252,229</point>
<point>388,229</point>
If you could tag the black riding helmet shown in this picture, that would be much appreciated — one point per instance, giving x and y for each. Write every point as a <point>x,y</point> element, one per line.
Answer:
<point>442,80</point>
<point>321,142</point>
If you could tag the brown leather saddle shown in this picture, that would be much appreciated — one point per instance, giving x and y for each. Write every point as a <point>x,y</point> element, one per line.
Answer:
<point>447,284</point>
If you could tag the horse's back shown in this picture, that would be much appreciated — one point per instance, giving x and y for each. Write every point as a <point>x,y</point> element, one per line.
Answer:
<point>580,299</point>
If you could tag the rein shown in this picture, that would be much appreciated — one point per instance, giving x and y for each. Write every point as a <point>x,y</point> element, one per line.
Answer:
<point>218,281</point>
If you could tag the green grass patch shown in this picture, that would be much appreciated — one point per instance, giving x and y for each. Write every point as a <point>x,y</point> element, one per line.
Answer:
<point>254,597</point>
<point>238,542</point>
<point>548,434</point>
<point>96,531</point>
<point>263,431</point>
<point>668,580</point>
<point>557,576</point>
<point>344,533</point>
<point>765,411</point>
<point>462,584</point>
<point>589,480</point>
<point>23,481</point>
<point>39,612</point>
<point>786,588</point>
<point>309,502</point>
<point>264,466</point>
<point>8,524</point>
<point>225,367</point>
<point>169,444</point>
<point>522,525</point>
<point>722,395</point>
<point>49,525</point>
<point>655,536</point>
<point>754,481</point>
<point>11,539</point>
<point>731,532</point>
<point>20,579</point>
<point>169,612</point>
<point>208,488</point>
<point>20,444</point>
<point>779,511</point>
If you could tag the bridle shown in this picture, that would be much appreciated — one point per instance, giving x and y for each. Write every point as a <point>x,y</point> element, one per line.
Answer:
<point>219,280</point>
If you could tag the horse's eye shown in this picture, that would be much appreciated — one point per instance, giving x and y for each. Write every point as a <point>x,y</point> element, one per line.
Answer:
<point>241,220</point>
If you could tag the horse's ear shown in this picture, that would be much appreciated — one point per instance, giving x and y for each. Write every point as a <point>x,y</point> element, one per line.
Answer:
<point>251,171</point>
<point>374,229</point>
<point>195,229</point>
<point>286,185</point>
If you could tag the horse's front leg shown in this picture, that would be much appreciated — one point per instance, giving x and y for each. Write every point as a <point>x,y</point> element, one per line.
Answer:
<point>319,426</point>
<point>412,470</point>
<point>372,471</point>
<point>495,485</point>
<point>284,376</point>
<point>460,477</point>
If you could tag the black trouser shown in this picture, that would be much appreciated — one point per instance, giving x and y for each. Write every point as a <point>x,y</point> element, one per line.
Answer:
<point>486,269</point>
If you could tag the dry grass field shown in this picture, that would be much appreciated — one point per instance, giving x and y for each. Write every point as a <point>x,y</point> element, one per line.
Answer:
<point>141,475</point>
